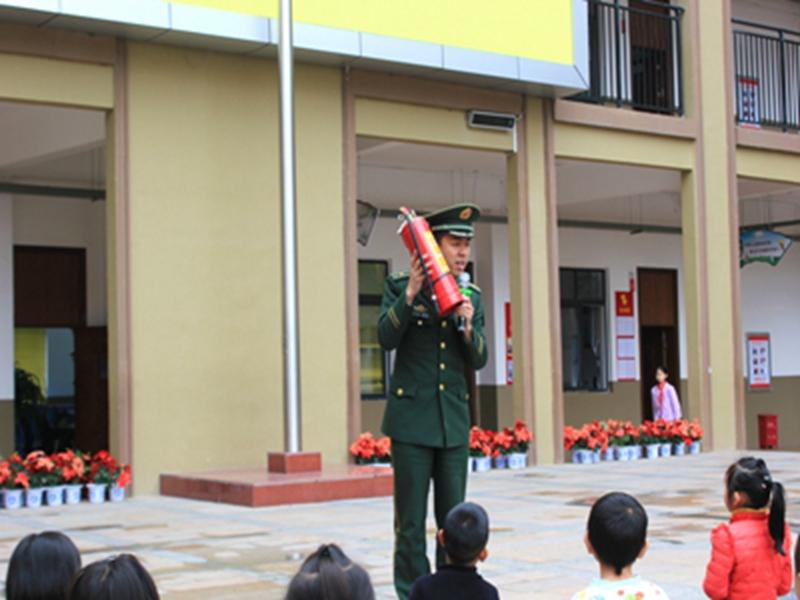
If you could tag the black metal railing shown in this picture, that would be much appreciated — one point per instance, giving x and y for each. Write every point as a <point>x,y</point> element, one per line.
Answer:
<point>767,79</point>
<point>635,55</point>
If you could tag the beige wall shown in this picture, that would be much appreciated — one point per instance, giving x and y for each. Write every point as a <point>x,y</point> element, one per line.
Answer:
<point>372,415</point>
<point>323,332</point>
<point>6,427</point>
<point>623,402</point>
<point>783,400</point>
<point>205,261</point>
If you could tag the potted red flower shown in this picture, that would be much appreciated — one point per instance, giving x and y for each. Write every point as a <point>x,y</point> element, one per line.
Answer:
<point>502,441</point>
<point>105,473</point>
<point>13,481</point>
<point>695,435</point>
<point>650,437</point>
<point>679,436</point>
<point>480,449</point>
<point>518,457</point>
<point>43,479</point>
<point>71,468</point>
<point>370,451</point>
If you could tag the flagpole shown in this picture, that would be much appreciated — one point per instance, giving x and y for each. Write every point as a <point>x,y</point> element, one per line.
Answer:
<point>291,346</point>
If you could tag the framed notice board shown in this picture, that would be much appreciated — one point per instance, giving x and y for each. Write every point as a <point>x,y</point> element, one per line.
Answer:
<point>759,361</point>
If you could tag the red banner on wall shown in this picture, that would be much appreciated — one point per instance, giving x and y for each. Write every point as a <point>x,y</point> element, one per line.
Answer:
<point>624,304</point>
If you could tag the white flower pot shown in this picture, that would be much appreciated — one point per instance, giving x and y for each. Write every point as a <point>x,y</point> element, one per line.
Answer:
<point>501,462</point>
<point>470,464</point>
<point>483,464</point>
<point>653,450</point>
<point>34,497</point>
<point>581,456</point>
<point>72,494</point>
<point>609,454</point>
<point>638,452</point>
<point>695,447</point>
<point>12,499</point>
<point>97,492</point>
<point>54,495</point>
<point>117,493</point>
<point>679,449</point>
<point>666,449</point>
<point>517,460</point>
<point>624,453</point>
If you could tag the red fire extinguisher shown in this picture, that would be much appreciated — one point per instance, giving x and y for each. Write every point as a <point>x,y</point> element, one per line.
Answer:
<point>417,236</point>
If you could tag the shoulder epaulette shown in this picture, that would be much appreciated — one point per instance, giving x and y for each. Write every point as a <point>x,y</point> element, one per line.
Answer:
<point>472,286</point>
<point>399,275</point>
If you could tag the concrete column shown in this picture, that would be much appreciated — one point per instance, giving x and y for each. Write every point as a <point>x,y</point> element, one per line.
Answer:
<point>711,229</point>
<point>536,319</point>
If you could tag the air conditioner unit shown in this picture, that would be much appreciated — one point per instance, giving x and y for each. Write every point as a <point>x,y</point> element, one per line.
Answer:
<point>482,119</point>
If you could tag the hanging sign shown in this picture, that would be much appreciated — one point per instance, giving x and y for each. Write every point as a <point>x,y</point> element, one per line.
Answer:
<point>509,356</point>
<point>749,115</point>
<point>762,246</point>
<point>759,361</point>
<point>626,336</point>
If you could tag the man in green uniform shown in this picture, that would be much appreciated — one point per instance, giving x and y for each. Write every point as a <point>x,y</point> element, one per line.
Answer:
<point>427,415</point>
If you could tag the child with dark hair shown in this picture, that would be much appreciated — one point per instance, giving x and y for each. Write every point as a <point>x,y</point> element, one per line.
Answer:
<point>751,555</point>
<point>42,567</point>
<point>328,574</point>
<point>797,566</point>
<point>120,577</point>
<point>463,537</point>
<point>616,535</point>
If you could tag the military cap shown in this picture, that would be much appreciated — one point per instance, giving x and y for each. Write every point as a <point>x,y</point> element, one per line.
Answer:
<point>456,220</point>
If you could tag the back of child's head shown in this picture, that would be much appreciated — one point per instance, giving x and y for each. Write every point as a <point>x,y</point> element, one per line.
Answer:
<point>120,577</point>
<point>42,567</point>
<point>617,530</point>
<point>750,477</point>
<point>329,574</point>
<point>466,532</point>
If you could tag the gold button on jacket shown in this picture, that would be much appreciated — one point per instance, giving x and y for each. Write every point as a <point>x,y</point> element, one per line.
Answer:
<point>427,402</point>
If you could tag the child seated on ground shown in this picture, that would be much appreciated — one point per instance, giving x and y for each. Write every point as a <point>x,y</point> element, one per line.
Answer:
<point>464,538</point>
<point>42,566</point>
<point>120,577</point>
<point>617,537</point>
<point>751,555</point>
<point>329,574</point>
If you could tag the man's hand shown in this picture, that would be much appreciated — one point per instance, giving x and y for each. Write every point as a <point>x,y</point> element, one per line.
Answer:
<point>466,311</point>
<point>415,280</point>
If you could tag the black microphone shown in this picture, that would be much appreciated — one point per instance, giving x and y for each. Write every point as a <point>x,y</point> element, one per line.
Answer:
<point>463,284</point>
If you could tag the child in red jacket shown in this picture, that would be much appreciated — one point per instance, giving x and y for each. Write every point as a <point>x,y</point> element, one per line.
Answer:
<point>750,555</point>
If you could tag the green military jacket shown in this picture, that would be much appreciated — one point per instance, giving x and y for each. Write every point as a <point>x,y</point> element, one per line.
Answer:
<point>428,401</point>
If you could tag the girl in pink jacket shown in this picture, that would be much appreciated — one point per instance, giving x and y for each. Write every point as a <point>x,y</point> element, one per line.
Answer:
<point>665,399</point>
<point>751,555</point>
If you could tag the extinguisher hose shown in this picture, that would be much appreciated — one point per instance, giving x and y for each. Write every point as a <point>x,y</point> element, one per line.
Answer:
<point>407,216</point>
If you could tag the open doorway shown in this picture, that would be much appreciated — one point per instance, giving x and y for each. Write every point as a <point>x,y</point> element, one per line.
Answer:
<point>52,187</point>
<point>658,328</point>
<point>428,177</point>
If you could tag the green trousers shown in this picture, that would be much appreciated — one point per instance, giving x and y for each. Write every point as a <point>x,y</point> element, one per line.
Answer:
<point>414,467</point>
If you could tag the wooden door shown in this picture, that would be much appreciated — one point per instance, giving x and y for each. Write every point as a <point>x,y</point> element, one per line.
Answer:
<point>91,388</point>
<point>49,287</point>
<point>658,330</point>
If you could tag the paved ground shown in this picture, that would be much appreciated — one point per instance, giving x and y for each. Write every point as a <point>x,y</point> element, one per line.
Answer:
<point>199,550</point>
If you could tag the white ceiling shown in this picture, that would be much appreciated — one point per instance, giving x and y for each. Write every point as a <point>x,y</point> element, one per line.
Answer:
<point>426,177</point>
<point>61,146</point>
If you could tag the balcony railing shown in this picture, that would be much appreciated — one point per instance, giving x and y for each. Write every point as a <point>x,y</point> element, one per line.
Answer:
<point>767,78</point>
<point>635,55</point>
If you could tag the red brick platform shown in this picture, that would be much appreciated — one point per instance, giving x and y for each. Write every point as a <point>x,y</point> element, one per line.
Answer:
<point>257,487</point>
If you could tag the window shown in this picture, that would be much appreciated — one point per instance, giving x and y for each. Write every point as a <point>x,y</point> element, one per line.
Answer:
<point>374,361</point>
<point>583,330</point>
